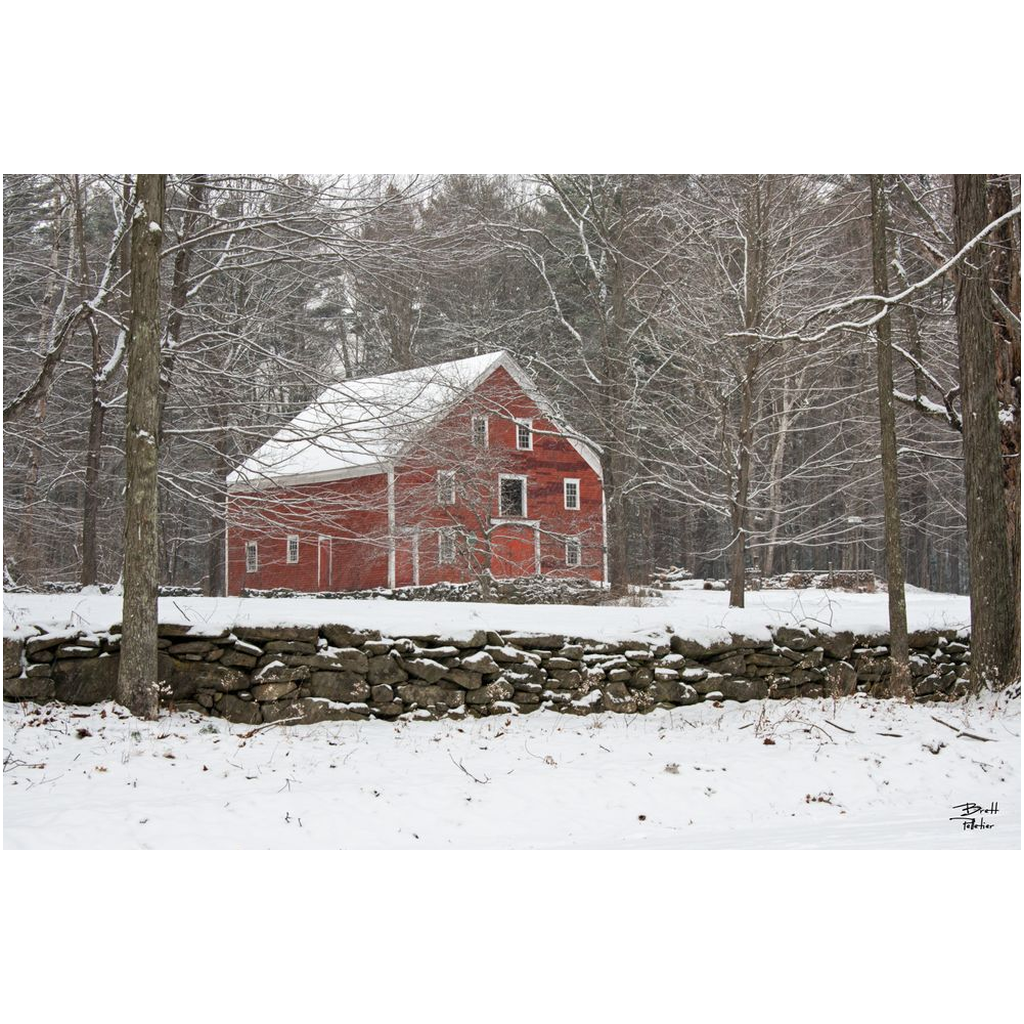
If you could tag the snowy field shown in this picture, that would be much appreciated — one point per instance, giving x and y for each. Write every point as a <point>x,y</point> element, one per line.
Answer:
<point>697,614</point>
<point>855,774</point>
<point>798,774</point>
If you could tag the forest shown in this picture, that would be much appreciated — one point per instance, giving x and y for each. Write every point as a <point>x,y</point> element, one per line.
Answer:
<point>714,334</point>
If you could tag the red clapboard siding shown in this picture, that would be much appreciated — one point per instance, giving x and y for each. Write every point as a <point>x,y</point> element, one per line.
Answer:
<point>343,526</point>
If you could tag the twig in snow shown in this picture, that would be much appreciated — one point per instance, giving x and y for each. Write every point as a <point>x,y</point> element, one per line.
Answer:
<point>895,735</point>
<point>842,728</point>
<point>962,732</point>
<point>975,736</point>
<point>462,767</point>
<point>269,725</point>
<point>811,725</point>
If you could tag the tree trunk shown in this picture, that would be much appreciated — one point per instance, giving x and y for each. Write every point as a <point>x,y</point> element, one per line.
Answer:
<point>993,654</point>
<point>755,222</point>
<point>738,552</point>
<point>91,498</point>
<point>615,399</point>
<point>1005,279</point>
<point>778,462</point>
<point>617,532</point>
<point>180,281</point>
<point>216,550</point>
<point>899,683</point>
<point>919,542</point>
<point>137,683</point>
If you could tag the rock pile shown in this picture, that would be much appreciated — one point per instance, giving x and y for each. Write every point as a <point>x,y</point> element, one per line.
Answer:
<point>306,674</point>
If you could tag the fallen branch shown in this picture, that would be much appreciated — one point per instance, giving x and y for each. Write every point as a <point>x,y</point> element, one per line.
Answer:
<point>269,725</point>
<point>962,732</point>
<point>842,728</point>
<point>975,736</point>
<point>895,735</point>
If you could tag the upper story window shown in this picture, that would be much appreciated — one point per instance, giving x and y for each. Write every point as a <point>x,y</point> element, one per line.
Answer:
<point>252,558</point>
<point>524,435</point>
<point>571,490</point>
<point>293,548</point>
<point>573,551</point>
<point>446,487</point>
<point>480,439</point>
<point>512,496</point>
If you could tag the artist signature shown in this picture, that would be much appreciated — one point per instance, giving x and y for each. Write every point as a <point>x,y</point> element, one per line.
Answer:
<point>973,815</point>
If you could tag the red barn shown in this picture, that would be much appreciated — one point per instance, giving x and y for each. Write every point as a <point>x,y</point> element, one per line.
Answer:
<point>445,472</point>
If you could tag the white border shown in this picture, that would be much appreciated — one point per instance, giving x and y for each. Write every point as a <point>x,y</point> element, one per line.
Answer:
<point>579,552</point>
<point>526,487</point>
<point>566,480</point>
<point>529,427</point>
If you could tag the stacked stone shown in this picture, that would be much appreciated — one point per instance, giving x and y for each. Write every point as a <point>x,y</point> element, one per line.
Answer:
<point>520,590</point>
<point>307,674</point>
<point>67,665</point>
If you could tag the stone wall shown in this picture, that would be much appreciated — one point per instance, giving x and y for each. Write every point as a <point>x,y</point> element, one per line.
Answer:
<point>518,590</point>
<point>305,674</point>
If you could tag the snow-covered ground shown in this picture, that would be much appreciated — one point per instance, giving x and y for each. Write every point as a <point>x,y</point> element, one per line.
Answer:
<point>798,774</point>
<point>697,614</point>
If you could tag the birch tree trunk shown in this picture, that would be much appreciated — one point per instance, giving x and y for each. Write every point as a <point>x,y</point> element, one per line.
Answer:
<point>899,683</point>
<point>992,604</point>
<point>137,684</point>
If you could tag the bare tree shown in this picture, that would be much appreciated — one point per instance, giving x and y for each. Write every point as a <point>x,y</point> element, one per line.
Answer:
<point>899,683</point>
<point>993,656</point>
<point>137,682</point>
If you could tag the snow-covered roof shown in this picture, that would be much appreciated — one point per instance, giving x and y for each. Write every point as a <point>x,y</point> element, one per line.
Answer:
<point>359,426</point>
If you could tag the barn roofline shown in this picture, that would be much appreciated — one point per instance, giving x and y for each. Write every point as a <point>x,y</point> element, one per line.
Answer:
<point>266,483</point>
<point>584,447</point>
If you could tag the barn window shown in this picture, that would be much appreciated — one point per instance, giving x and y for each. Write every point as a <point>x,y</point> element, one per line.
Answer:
<point>293,548</point>
<point>446,487</point>
<point>524,435</point>
<point>571,490</point>
<point>252,558</point>
<point>573,552</point>
<point>479,431</point>
<point>512,496</point>
<point>445,547</point>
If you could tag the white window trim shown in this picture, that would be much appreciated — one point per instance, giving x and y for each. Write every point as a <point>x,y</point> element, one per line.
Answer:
<point>487,430</point>
<point>565,493</point>
<point>448,497</point>
<point>288,549</point>
<point>252,548</point>
<point>573,543</point>
<point>512,476</point>
<point>529,426</point>
<point>442,536</point>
